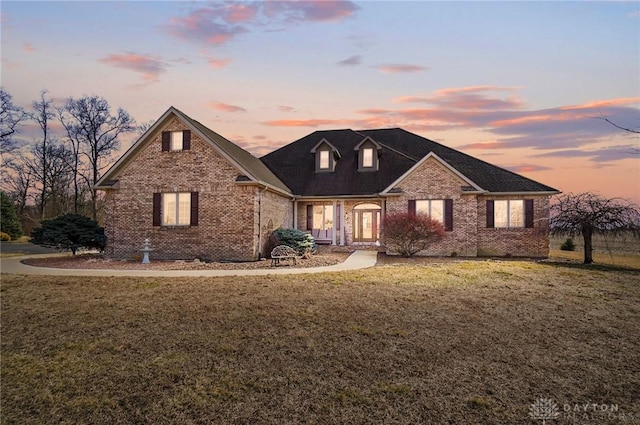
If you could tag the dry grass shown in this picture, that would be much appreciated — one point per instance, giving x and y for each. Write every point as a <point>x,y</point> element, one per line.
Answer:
<point>454,343</point>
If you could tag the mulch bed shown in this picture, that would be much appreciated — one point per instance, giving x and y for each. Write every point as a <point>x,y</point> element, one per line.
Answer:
<point>324,257</point>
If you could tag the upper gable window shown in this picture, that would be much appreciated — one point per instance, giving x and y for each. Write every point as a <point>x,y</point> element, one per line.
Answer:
<point>176,141</point>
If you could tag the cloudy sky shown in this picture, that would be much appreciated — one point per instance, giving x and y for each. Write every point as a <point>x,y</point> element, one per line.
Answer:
<point>522,85</point>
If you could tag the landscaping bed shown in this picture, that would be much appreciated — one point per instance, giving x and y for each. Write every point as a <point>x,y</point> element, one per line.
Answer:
<point>324,257</point>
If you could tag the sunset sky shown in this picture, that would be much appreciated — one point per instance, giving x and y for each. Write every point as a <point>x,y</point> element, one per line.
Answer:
<point>518,84</point>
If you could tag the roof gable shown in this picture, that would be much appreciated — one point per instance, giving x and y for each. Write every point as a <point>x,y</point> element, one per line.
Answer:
<point>246,164</point>
<point>448,166</point>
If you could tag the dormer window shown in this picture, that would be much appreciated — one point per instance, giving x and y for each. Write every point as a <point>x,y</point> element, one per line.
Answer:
<point>324,160</point>
<point>368,152</point>
<point>367,157</point>
<point>326,156</point>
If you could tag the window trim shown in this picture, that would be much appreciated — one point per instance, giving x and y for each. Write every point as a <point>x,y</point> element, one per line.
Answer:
<point>176,145</point>
<point>324,154</point>
<point>430,208</point>
<point>178,216</point>
<point>447,211</point>
<point>367,160</point>
<point>191,210</point>
<point>168,142</point>
<point>527,214</point>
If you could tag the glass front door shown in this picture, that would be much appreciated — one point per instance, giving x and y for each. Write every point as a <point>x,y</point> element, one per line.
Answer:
<point>366,226</point>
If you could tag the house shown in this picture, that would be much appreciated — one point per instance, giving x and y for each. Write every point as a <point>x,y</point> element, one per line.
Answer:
<point>194,193</point>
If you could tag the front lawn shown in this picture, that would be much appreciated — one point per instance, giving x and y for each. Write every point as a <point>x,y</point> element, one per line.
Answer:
<point>471,342</point>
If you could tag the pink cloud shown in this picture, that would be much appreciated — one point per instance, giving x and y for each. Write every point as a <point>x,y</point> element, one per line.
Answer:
<point>204,25</point>
<point>149,66</point>
<point>527,168</point>
<point>605,103</point>
<point>314,10</point>
<point>237,12</point>
<point>302,123</point>
<point>473,97</point>
<point>28,47</point>
<point>224,107</point>
<point>485,145</point>
<point>219,22</point>
<point>219,63</point>
<point>400,68</point>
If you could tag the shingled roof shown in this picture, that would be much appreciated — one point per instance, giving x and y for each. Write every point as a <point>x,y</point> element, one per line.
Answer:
<point>294,164</point>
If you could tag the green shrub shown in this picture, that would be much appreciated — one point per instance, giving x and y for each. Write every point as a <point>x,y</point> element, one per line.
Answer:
<point>70,231</point>
<point>568,245</point>
<point>301,241</point>
<point>9,222</point>
<point>4,237</point>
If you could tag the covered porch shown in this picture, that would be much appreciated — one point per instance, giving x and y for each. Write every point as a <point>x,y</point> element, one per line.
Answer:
<point>340,221</point>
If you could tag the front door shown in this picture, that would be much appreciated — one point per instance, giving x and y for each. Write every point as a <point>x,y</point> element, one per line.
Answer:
<point>366,225</point>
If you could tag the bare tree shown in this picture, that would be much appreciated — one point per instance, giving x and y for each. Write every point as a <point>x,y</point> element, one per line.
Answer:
<point>42,151</point>
<point>144,127</point>
<point>588,214</point>
<point>10,117</point>
<point>20,183</point>
<point>634,150</point>
<point>627,129</point>
<point>94,134</point>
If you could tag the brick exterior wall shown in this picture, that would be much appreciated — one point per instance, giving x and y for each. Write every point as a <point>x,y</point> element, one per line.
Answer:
<point>228,211</point>
<point>531,242</point>
<point>470,236</point>
<point>432,180</point>
<point>236,219</point>
<point>276,211</point>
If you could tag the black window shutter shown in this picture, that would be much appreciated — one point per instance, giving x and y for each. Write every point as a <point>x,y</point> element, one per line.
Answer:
<point>528,213</point>
<point>194,208</point>
<point>166,141</point>
<point>157,200</point>
<point>490,222</point>
<point>338,217</point>
<point>448,215</point>
<point>412,207</point>
<point>186,140</point>
<point>309,217</point>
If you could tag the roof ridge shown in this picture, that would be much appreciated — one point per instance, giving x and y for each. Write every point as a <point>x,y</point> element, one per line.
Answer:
<point>399,152</point>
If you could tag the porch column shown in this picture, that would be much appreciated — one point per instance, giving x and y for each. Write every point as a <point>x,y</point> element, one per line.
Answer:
<point>335,222</point>
<point>342,220</point>
<point>295,214</point>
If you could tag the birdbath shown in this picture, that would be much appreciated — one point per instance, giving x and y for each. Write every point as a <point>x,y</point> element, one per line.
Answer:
<point>146,249</point>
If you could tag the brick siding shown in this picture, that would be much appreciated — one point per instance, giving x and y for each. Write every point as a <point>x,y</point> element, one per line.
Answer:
<point>470,236</point>
<point>228,211</point>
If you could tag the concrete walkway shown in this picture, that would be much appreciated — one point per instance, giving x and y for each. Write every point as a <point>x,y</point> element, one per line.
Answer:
<point>357,260</point>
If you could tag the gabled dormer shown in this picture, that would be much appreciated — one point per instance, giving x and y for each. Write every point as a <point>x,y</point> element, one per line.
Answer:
<point>326,156</point>
<point>368,154</point>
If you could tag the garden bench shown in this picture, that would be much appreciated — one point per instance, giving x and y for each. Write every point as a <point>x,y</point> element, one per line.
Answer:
<point>283,252</point>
